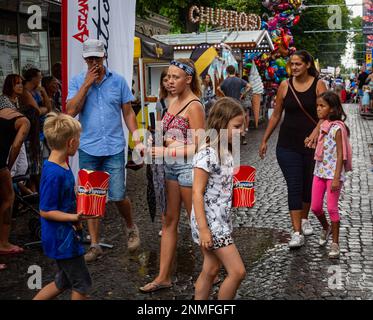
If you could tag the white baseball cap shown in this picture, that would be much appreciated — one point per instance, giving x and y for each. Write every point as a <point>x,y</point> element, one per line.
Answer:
<point>93,48</point>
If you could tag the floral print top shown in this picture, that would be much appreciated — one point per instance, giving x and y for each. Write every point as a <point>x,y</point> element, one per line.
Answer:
<point>326,169</point>
<point>217,197</point>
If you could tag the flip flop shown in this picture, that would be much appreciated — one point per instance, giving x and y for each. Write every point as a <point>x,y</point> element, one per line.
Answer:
<point>3,267</point>
<point>217,281</point>
<point>15,250</point>
<point>153,287</point>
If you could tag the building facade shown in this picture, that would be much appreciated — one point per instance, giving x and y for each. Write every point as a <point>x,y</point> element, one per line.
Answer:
<point>30,34</point>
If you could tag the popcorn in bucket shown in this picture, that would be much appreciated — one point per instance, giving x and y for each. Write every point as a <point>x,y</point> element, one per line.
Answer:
<point>92,193</point>
<point>244,187</point>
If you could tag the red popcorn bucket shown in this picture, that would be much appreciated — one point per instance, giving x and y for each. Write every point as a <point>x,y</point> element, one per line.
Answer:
<point>244,187</point>
<point>92,193</point>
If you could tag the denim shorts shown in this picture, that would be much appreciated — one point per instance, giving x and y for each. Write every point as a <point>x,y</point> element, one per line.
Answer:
<point>182,173</point>
<point>114,165</point>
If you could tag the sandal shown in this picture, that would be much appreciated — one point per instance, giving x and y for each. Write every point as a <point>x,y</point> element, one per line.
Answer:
<point>14,250</point>
<point>217,281</point>
<point>153,286</point>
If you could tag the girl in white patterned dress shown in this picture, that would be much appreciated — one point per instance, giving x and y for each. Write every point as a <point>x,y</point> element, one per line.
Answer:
<point>211,219</point>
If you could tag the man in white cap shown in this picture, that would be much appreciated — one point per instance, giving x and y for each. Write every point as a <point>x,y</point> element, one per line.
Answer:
<point>100,96</point>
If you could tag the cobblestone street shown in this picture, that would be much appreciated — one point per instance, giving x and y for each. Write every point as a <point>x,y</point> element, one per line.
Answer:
<point>262,233</point>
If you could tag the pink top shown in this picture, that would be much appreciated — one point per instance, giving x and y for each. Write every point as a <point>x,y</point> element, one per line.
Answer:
<point>176,128</point>
<point>347,150</point>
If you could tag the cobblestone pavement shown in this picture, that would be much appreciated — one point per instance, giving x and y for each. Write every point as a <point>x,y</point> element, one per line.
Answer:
<point>261,235</point>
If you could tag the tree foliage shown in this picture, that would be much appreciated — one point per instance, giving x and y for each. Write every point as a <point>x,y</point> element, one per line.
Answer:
<point>178,10</point>
<point>328,47</point>
<point>358,40</point>
<point>318,44</point>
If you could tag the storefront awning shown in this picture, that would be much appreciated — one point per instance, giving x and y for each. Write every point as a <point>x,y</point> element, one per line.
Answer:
<point>258,40</point>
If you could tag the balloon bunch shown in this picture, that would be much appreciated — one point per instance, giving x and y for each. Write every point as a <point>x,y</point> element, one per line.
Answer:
<point>285,15</point>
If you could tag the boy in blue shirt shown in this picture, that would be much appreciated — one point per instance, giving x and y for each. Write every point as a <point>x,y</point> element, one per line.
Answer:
<point>59,221</point>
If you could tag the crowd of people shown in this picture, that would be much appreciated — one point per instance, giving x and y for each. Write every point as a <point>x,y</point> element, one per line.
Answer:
<point>191,170</point>
<point>357,88</point>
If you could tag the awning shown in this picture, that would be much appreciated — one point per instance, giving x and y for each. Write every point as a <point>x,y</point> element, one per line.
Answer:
<point>146,47</point>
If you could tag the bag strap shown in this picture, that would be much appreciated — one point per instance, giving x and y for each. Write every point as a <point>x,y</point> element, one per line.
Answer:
<point>163,103</point>
<point>300,103</point>
<point>181,111</point>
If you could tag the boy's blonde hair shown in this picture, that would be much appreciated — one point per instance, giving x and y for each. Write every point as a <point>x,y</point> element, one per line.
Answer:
<point>59,129</point>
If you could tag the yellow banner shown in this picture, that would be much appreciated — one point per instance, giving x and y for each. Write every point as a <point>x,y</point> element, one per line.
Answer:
<point>205,60</point>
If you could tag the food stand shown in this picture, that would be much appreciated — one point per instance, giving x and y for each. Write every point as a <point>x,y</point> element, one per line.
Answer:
<point>150,57</point>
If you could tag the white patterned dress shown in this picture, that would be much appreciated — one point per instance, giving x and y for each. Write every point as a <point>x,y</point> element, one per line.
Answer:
<point>217,197</point>
<point>326,169</point>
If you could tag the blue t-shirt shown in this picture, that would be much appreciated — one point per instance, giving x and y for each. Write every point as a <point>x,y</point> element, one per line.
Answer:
<point>60,240</point>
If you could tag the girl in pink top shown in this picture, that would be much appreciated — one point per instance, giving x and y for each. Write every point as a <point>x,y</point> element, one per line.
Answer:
<point>333,159</point>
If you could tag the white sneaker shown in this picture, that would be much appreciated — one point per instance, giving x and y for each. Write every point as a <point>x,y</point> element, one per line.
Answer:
<point>334,251</point>
<point>324,236</point>
<point>297,240</point>
<point>306,227</point>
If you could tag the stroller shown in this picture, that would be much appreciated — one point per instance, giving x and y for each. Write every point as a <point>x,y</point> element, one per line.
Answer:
<point>27,204</point>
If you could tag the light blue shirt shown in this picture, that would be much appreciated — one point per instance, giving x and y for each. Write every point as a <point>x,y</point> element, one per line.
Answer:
<point>101,117</point>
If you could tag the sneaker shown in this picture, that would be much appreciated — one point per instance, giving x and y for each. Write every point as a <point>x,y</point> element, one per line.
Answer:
<point>160,233</point>
<point>306,227</point>
<point>324,236</point>
<point>243,140</point>
<point>93,254</point>
<point>133,238</point>
<point>297,240</point>
<point>334,251</point>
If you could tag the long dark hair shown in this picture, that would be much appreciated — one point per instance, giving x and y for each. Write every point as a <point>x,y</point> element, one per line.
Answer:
<point>334,102</point>
<point>208,84</point>
<point>29,74</point>
<point>9,83</point>
<point>307,58</point>
<point>163,93</point>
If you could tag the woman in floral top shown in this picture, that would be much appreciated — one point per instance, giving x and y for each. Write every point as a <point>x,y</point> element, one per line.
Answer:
<point>333,159</point>
<point>211,218</point>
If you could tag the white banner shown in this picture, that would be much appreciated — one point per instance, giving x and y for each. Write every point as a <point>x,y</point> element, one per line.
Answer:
<point>113,22</point>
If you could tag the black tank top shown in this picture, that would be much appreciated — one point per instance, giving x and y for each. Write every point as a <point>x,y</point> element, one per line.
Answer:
<point>297,126</point>
<point>7,136</point>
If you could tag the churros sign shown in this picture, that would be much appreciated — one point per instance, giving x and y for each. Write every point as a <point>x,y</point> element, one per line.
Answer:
<point>225,18</point>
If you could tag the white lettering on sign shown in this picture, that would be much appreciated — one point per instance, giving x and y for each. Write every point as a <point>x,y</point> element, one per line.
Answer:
<point>225,18</point>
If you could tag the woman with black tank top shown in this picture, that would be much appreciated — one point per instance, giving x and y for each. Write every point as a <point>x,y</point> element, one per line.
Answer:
<point>297,138</point>
<point>14,128</point>
<point>184,116</point>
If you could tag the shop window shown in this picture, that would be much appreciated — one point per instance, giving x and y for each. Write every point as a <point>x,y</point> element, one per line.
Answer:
<point>34,49</point>
<point>8,45</point>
